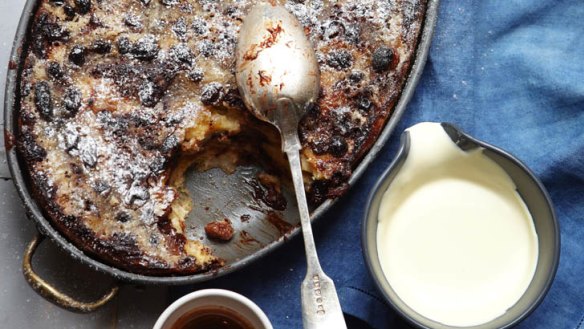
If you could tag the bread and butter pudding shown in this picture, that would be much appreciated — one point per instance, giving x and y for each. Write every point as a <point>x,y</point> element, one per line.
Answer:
<point>118,99</point>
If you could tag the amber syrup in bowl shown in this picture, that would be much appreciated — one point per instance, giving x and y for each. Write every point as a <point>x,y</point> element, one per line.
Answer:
<point>212,318</point>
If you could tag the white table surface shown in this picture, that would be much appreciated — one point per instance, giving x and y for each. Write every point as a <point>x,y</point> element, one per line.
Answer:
<point>20,306</point>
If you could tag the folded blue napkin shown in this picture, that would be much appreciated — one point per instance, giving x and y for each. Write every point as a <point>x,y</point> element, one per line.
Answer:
<point>508,72</point>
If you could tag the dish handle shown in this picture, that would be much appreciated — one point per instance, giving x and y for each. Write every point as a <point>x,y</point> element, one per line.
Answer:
<point>52,294</point>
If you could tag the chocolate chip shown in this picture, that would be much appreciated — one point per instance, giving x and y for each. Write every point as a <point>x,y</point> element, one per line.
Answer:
<point>363,102</point>
<point>169,2</point>
<point>181,54</point>
<point>39,45</point>
<point>334,29</point>
<point>124,45</point>
<point>207,48</point>
<point>134,22</point>
<point>149,94</point>
<point>137,195</point>
<point>211,93</point>
<point>153,239</point>
<point>158,164</point>
<point>101,47</point>
<point>88,205</point>
<point>180,28</point>
<point>33,152</point>
<point>196,75</point>
<point>339,59</point>
<point>69,11</point>
<point>71,138</point>
<point>83,6</point>
<point>169,144</point>
<point>43,100</point>
<point>55,32</point>
<point>55,71</point>
<point>381,59</point>
<point>72,100</point>
<point>123,217</point>
<point>77,55</point>
<point>356,77</point>
<point>88,151</point>
<point>200,26</point>
<point>146,48</point>
<point>338,146</point>
<point>101,187</point>
<point>233,98</point>
<point>353,34</point>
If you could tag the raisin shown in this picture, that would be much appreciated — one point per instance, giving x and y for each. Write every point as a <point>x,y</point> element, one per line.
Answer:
<point>124,45</point>
<point>43,100</point>
<point>169,144</point>
<point>196,75</point>
<point>356,77</point>
<point>101,47</point>
<point>338,146</point>
<point>334,29</point>
<point>169,2</point>
<point>55,32</point>
<point>148,143</point>
<point>133,21</point>
<point>145,2</point>
<point>55,71</point>
<point>101,187</point>
<point>146,48</point>
<point>353,34</point>
<point>149,94</point>
<point>57,3</point>
<point>88,151</point>
<point>25,88</point>
<point>200,26</point>
<point>220,230</point>
<point>33,152</point>
<point>123,217</point>
<point>69,11</point>
<point>39,46</point>
<point>70,138</point>
<point>137,195</point>
<point>83,6</point>
<point>363,102</point>
<point>207,48</point>
<point>230,11</point>
<point>158,164</point>
<point>72,100</point>
<point>381,59</point>
<point>95,22</point>
<point>318,192</point>
<point>180,28</point>
<point>181,54</point>
<point>153,239</point>
<point>233,98</point>
<point>212,93</point>
<point>340,59</point>
<point>77,55</point>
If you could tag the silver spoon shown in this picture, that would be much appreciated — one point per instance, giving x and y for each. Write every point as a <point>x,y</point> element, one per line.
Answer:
<point>278,77</point>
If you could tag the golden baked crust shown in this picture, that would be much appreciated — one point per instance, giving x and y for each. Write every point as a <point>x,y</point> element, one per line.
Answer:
<point>118,98</point>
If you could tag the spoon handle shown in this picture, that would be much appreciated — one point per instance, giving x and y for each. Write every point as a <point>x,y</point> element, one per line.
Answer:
<point>320,303</point>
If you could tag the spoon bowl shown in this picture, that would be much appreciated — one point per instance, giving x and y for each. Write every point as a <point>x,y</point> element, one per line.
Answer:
<point>278,78</point>
<point>275,60</point>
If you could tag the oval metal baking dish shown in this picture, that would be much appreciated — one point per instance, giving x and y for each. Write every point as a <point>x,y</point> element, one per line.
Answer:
<point>239,258</point>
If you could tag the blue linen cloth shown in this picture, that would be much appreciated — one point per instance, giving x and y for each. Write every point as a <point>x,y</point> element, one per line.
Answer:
<point>508,72</point>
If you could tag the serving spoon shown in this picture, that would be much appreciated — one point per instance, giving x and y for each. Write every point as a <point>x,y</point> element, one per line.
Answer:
<point>278,78</point>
